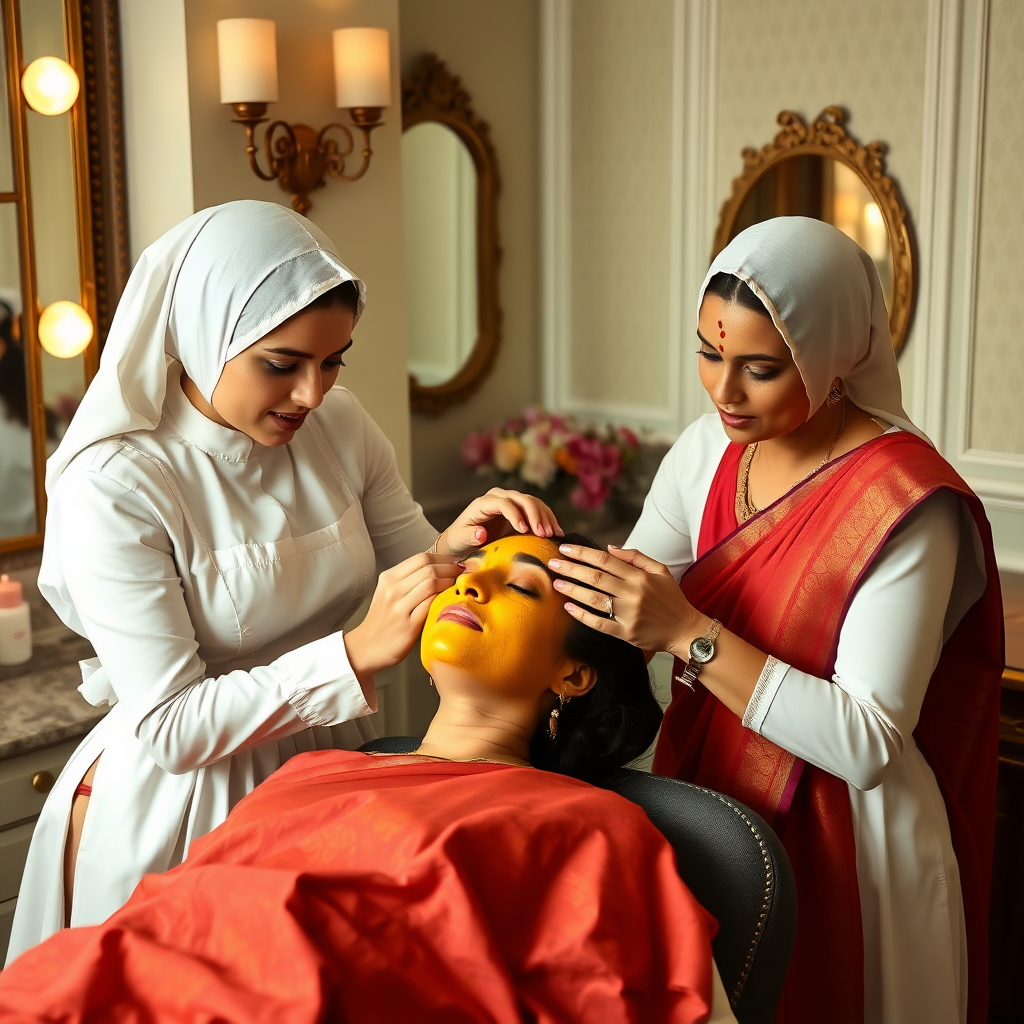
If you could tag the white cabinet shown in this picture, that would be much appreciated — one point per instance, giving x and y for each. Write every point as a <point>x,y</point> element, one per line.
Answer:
<point>24,782</point>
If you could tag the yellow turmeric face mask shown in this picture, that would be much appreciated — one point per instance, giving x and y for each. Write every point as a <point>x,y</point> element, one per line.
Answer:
<point>503,622</point>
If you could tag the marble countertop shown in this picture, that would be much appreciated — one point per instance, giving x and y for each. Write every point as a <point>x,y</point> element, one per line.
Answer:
<point>39,701</point>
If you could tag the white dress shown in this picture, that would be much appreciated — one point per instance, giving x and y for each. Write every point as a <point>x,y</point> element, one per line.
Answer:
<point>212,575</point>
<point>859,725</point>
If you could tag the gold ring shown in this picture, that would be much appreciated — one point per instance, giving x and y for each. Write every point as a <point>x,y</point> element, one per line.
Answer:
<point>610,609</point>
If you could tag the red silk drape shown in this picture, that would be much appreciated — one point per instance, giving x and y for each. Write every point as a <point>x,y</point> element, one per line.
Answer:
<point>783,581</point>
<point>369,889</point>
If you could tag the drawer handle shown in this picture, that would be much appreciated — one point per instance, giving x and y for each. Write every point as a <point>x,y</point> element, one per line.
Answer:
<point>42,782</point>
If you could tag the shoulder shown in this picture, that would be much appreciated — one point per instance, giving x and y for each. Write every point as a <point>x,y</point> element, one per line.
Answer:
<point>341,413</point>
<point>691,462</point>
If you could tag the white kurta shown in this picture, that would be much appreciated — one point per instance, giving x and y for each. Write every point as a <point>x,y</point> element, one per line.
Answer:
<point>859,725</point>
<point>212,575</point>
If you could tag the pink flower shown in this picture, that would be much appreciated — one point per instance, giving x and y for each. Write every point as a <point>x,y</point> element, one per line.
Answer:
<point>477,450</point>
<point>533,414</point>
<point>628,438</point>
<point>591,494</point>
<point>514,425</point>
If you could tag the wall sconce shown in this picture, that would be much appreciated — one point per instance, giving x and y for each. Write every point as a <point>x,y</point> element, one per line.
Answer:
<point>65,329</point>
<point>50,85</point>
<point>300,157</point>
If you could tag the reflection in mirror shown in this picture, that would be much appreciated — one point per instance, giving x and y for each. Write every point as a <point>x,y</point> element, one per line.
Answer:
<point>440,206</point>
<point>6,155</point>
<point>809,185</point>
<point>17,485</point>
<point>55,227</point>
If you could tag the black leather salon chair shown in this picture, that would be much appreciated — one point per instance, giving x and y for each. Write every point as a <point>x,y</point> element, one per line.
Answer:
<point>732,862</point>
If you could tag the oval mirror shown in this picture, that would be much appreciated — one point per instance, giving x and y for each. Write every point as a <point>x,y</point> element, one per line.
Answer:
<point>820,171</point>
<point>450,187</point>
<point>439,191</point>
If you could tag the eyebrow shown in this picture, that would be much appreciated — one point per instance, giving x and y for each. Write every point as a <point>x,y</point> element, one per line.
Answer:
<point>522,556</point>
<point>759,357</point>
<point>296,354</point>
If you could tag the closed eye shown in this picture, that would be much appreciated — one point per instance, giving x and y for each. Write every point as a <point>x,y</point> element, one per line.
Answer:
<point>522,590</point>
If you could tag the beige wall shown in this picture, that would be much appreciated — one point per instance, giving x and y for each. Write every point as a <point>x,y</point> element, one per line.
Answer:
<point>363,218</point>
<point>996,420</point>
<point>493,46</point>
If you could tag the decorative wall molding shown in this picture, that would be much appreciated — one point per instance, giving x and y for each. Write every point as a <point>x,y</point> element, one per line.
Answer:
<point>555,226</point>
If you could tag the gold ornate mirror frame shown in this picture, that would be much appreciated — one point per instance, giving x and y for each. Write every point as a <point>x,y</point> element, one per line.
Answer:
<point>826,136</point>
<point>433,93</point>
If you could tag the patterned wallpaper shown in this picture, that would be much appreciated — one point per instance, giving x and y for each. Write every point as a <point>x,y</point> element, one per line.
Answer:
<point>997,406</point>
<point>621,107</point>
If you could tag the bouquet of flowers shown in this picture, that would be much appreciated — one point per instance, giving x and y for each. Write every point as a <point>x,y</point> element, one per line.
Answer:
<point>551,456</point>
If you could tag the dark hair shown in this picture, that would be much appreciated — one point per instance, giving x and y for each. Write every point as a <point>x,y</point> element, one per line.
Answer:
<point>613,723</point>
<point>345,294</point>
<point>732,289</point>
<point>13,383</point>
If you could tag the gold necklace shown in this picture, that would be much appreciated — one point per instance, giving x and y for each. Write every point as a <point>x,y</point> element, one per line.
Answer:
<point>745,508</point>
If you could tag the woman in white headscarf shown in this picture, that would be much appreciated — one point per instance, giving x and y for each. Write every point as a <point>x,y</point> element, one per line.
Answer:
<point>837,629</point>
<point>217,510</point>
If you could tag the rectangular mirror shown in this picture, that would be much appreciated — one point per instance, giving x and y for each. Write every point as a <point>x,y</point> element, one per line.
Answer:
<point>63,234</point>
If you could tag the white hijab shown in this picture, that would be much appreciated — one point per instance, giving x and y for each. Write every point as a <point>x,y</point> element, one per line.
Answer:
<point>201,294</point>
<point>824,296</point>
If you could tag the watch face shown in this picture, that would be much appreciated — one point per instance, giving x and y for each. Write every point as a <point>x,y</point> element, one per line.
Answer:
<point>702,650</point>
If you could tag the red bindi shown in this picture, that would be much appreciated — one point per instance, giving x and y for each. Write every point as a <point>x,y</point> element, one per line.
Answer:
<point>723,332</point>
<point>721,348</point>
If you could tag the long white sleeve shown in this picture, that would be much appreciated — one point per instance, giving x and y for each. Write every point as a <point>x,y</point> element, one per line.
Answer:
<point>856,725</point>
<point>128,596</point>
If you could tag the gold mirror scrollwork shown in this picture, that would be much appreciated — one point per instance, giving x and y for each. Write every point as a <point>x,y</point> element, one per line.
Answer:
<point>826,137</point>
<point>432,93</point>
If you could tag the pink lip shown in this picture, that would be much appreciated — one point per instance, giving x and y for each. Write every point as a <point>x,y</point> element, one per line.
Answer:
<point>288,423</point>
<point>736,422</point>
<point>459,613</point>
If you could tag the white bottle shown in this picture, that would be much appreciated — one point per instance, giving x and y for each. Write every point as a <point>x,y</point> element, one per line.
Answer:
<point>15,627</point>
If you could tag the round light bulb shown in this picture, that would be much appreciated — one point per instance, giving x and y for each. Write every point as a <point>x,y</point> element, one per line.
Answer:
<point>50,85</point>
<point>65,329</point>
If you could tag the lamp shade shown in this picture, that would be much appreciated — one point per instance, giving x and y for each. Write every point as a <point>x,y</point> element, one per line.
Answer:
<point>50,85</point>
<point>362,67</point>
<point>65,329</point>
<point>247,55</point>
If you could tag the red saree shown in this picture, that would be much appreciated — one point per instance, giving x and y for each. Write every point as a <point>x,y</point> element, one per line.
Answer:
<point>784,581</point>
<point>373,889</point>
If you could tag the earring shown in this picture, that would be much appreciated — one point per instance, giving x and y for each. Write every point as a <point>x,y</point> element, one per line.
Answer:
<point>431,678</point>
<point>835,395</point>
<point>553,719</point>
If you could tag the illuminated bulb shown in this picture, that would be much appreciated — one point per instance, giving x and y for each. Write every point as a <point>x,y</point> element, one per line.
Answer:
<point>50,85</point>
<point>65,329</point>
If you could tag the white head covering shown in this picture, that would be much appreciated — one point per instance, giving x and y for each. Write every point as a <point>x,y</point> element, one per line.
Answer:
<point>824,296</point>
<point>201,294</point>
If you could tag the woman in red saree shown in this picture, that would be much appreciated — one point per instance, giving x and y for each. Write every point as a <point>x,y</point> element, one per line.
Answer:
<point>458,884</point>
<point>851,695</point>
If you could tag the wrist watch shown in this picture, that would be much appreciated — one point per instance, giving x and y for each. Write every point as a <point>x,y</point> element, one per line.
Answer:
<point>702,650</point>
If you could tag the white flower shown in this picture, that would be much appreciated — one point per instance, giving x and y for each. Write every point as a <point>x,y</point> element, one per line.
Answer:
<point>538,465</point>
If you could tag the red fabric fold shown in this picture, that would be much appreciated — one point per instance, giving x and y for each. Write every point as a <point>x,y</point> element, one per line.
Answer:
<point>369,889</point>
<point>784,581</point>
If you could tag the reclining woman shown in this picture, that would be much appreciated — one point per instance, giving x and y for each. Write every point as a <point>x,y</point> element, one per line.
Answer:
<point>458,883</point>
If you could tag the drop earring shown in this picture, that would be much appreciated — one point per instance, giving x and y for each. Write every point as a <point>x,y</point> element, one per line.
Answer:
<point>431,678</point>
<point>553,719</point>
<point>835,395</point>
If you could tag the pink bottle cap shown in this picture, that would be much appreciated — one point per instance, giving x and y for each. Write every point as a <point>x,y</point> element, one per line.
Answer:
<point>10,592</point>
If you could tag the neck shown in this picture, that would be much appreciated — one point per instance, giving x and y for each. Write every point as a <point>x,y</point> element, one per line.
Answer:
<point>195,397</point>
<point>463,730</point>
<point>805,445</point>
